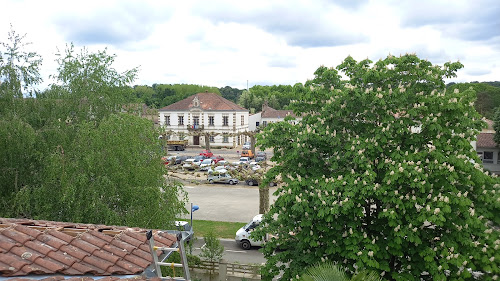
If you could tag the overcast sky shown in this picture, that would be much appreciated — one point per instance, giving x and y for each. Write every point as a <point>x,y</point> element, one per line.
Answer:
<point>227,43</point>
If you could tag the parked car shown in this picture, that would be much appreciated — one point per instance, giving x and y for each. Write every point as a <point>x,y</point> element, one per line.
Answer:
<point>243,160</point>
<point>222,177</point>
<point>207,153</point>
<point>217,159</point>
<point>205,164</point>
<point>260,156</point>
<point>247,153</point>
<point>185,228</point>
<point>247,145</point>
<point>216,169</point>
<point>180,159</point>
<point>193,163</point>
<point>168,159</point>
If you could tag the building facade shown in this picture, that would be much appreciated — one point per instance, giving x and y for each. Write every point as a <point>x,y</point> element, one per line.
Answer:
<point>205,115</point>
<point>269,115</point>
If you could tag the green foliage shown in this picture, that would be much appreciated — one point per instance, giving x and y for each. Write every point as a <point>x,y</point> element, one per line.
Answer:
<point>106,174</point>
<point>380,175</point>
<point>213,249</point>
<point>176,258</point>
<point>71,154</point>
<point>329,271</point>
<point>161,95</point>
<point>277,97</point>
<point>488,97</point>
<point>19,69</point>
<point>230,93</point>
<point>89,84</point>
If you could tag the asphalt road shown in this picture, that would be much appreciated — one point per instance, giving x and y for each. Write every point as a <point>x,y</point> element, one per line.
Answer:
<point>232,252</point>
<point>231,203</point>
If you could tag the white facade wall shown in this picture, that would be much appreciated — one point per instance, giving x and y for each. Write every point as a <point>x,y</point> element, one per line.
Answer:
<point>253,120</point>
<point>181,131</point>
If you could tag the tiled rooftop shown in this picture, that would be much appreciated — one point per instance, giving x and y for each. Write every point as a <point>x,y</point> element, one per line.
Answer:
<point>485,140</point>
<point>269,112</point>
<point>208,101</point>
<point>33,247</point>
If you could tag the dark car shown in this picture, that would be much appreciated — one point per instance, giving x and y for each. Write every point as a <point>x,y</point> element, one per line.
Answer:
<point>260,156</point>
<point>180,159</point>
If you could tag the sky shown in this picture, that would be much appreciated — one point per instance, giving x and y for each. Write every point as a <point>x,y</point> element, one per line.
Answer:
<point>261,42</point>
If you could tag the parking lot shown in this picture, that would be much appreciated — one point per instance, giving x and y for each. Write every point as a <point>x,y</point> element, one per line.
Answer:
<point>230,155</point>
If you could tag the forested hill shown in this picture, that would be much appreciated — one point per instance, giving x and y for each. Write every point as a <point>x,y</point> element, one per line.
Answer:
<point>488,96</point>
<point>278,96</point>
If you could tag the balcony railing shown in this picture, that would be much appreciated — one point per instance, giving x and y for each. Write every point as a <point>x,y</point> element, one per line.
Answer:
<point>195,127</point>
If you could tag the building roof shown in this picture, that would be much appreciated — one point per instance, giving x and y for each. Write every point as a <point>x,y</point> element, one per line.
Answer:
<point>269,112</point>
<point>35,247</point>
<point>485,140</point>
<point>207,101</point>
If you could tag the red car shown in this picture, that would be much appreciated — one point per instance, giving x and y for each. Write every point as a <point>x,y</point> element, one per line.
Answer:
<point>207,153</point>
<point>217,159</point>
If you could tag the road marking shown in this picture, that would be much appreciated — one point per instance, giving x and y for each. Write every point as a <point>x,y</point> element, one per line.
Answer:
<point>233,251</point>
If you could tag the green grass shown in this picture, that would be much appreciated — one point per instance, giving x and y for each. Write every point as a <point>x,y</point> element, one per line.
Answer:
<point>220,228</point>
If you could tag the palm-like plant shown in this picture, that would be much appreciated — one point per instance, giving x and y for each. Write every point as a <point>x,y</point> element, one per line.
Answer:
<point>331,272</point>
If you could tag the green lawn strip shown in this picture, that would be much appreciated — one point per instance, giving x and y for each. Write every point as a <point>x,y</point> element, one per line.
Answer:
<point>221,229</point>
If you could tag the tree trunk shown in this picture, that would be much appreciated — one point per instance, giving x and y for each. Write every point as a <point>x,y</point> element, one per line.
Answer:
<point>207,141</point>
<point>252,146</point>
<point>263,199</point>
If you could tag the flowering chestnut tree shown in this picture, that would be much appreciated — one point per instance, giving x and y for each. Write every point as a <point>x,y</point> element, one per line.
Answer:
<point>380,174</point>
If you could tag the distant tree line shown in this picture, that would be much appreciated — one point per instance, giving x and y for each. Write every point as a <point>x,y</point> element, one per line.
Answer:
<point>488,96</point>
<point>161,95</point>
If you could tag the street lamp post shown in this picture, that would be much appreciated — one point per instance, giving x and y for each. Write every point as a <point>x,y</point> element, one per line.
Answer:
<point>193,209</point>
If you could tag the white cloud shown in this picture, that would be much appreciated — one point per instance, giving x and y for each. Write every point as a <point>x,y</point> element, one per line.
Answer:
<point>221,43</point>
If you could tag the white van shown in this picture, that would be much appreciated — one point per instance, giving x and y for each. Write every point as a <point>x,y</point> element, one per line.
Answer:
<point>243,234</point>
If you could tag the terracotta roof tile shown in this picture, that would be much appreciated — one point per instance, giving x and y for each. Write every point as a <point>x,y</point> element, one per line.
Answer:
<point>112,249</point>
<point>60,235</point>
<point>102,236</point>
<point>269,112</point>
<point>486,140</point>
<point>43,248</point>
<point>74,252</point>
<point>93,239</point>
<point>208,101</point>
<point>140,257</point>
<point>130,238</point>
<point>106,256</point>
<point>97,262</point>
<point>62,258</point>
<point>131,267</point>
<point>6,244</point>
<point>30,232</point>
<point>15,235</point>
<point>30,247</point>
<point>83,245</point>
<point>51,241</point>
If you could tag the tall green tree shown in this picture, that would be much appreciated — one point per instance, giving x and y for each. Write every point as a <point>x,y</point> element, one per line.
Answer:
<point>380,175</point>
<point>73,154</point>
<point>19,68</point>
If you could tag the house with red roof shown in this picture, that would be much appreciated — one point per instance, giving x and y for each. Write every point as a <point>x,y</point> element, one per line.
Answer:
<point>205,115</point>
<point>269,115</point>
<point>487,149</point>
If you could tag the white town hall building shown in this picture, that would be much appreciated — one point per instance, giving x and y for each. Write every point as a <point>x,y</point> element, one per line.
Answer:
<point>205,114</point>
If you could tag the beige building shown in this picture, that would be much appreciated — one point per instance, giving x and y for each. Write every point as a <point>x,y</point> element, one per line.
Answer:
<point>205,115</point>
